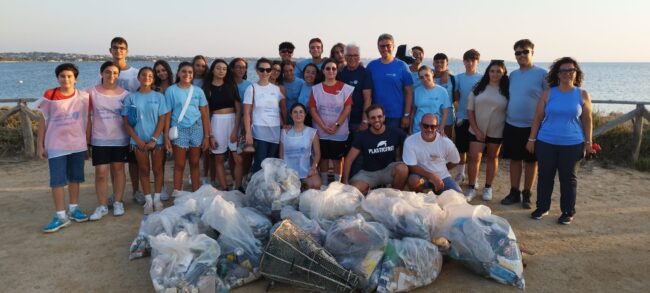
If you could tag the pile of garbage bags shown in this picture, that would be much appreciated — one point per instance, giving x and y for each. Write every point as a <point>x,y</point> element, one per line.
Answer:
<point>213,240</point>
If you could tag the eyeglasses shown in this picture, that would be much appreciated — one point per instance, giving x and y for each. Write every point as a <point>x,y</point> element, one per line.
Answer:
<point>118,48</point>
<point>268,70</point>
<point>352,56</point>
<point>569,70</point>
<point>429,126</point>
<point>525,52</point>
<point>285,51</point>
<point>329,69</point>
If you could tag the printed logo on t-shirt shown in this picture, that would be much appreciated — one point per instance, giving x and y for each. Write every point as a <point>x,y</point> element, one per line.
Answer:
<point>353,82</point>
<point>391,74</point>
<point>382,147</point>
<point>434,157</point>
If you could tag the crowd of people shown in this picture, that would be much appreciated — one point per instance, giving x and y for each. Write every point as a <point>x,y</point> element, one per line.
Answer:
<point>394,122</point>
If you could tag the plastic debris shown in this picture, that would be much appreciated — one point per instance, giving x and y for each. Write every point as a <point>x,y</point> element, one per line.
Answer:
<point>409,263</point>
<point>336,201</point>
<point>259,224</point>
<point>310,226</point>
<point>273,187</point>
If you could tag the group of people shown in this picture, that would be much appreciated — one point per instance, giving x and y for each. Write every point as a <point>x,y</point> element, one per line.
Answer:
<point>328,118</point>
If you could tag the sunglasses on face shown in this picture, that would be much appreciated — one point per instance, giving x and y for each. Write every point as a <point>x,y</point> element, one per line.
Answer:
<point>329,69</point>
<point>524,52</point>
<point>569,70</point>
<point>285,51</point>
<point>429,126</point>
<point>267,70</point>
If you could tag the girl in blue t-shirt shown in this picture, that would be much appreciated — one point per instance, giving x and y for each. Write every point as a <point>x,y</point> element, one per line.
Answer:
<point>146,135</point>
<point>193,128</point>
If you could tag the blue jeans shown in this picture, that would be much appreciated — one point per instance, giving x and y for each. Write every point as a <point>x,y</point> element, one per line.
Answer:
<point>263,150</point>
<point>564,160</point>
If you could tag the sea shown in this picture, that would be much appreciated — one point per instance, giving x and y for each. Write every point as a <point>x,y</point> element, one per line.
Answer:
<point>603,81</point>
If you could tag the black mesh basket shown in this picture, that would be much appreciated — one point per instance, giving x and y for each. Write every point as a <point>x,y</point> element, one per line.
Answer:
<point>293,257</point>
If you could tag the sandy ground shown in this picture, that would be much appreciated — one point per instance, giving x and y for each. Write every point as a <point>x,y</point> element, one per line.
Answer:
<point>606,249</point>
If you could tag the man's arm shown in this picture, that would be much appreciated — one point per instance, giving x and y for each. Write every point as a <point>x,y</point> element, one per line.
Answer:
<point>347,164</point>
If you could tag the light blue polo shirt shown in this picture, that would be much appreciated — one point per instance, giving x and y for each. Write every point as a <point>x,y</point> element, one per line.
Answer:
<point>176,99</point>
<point>429,101</point>
<point>150,107</point>
<point>526,88</point>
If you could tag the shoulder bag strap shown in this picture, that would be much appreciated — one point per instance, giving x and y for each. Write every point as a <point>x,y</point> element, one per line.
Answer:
<point>187,103</point>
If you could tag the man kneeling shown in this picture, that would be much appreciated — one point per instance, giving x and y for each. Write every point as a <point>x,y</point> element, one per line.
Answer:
<point>380,146</point>
<point>427,155</point>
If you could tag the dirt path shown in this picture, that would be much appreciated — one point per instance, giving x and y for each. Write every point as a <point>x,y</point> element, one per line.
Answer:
<point>606,249</point>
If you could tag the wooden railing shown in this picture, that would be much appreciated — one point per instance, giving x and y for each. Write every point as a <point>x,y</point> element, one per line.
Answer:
<point>635,115</point>
<point>26,116</point>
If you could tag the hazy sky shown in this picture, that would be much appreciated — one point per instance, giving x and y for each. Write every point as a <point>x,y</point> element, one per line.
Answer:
<point>587,30</point>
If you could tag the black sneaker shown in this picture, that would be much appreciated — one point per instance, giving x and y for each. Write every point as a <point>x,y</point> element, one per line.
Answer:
<point>525,199</point>
<point>565,219</point>
<point>538,214</point>
<point>513,197</point>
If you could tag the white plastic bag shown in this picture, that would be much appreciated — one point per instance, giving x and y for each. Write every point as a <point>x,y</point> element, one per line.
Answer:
<point>273,187</point>
<point>408,264</point>
<point>454,206</point>
<point>487,245</point>
<point>356,244</point>
<point>336,201</point>
<point>403,213</point>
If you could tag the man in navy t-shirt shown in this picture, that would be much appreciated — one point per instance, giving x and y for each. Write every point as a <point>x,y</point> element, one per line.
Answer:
<point>392,84</point>
<point>380,146</point>
<point>357,76</point>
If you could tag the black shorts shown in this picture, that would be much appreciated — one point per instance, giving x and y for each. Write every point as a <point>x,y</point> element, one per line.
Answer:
<point>462,136</point>
<point>488,139</point>
<point>109,154</point>
<point>332,150</point>
<point>514,144</point>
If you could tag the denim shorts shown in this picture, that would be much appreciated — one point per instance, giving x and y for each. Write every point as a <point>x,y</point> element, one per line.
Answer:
<point>67,169</point>
<point>190,137</point>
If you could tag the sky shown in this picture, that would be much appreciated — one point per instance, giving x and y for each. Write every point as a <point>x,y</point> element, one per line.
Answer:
<point>596,30</point>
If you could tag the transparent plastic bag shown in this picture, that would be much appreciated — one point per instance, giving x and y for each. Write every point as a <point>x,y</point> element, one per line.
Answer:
<point>409,263</point>
<point>487,245</point>
<point>171,221</point>
<point>259,223</point>
<point>239,262</point>
<point>454,206</point>
<point>273,187</point>
<point>183,262</point>
<point>403,213</point>
<point>309,226</point>
<point>336,201</point>
<point>356,244</point>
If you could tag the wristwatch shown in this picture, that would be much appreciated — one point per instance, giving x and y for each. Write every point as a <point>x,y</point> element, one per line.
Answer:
<point>407,114</point>
<point>337,124</point>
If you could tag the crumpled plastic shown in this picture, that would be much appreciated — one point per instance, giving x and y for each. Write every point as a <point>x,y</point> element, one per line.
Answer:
<point>409,263</point>
<point>259,224</point>
<point>309,226</point>
<point>356,244</point>
<point>454,206</point>
<point>336,201</point>
<point>172,220</point>
<point>487,245</point>
<point>273,187</point>
<point>239,262</point>
<point>403,213</point>
<point>185,263</point>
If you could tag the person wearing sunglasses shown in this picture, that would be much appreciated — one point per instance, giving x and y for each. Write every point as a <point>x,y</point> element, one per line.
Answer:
<point>285,50</point>
<point>486,111</point>
<point>526,87</point>
<point>429,98</point>
<point>392,84</point>
<point>316,52</point>
<point>330,104</point>
<point>560,137</point>
<point>427,155</point>
<point>264,115</point>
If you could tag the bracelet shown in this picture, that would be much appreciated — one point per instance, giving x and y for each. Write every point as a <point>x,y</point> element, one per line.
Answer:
<point>532,139</point>
<point>588,142</point>
<point>154,139</point>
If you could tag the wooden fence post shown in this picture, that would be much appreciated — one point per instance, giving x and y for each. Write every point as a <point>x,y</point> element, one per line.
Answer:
<point>26,127</point>
<point>637,134</point>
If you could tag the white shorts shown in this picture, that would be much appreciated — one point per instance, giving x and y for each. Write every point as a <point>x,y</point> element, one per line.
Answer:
<point>221,126</point>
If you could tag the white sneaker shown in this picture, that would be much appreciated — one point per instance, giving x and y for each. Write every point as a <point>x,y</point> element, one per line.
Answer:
<point>158,205</point>
<point>100,211</point>
<point>487,193</point>
<point>148,207</point>
<point>470,193</point>
<point>460,177</point>
<point>164,195</point>
<point>118,209</point>
<point>175,194</point>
